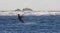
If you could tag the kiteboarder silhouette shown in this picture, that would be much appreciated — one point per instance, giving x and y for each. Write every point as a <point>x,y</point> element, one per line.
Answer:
<point>20,18</point>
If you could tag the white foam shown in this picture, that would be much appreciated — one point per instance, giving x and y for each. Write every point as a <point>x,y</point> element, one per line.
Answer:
<point>28,23</point>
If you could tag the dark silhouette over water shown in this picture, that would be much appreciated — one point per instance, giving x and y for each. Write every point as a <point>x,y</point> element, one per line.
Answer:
<point>20,18</point>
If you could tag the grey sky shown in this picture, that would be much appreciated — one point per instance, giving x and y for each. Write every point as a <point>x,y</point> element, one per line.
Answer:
<point>34,4</point>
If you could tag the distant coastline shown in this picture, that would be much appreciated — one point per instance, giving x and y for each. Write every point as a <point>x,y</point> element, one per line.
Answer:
<point>37,13</point>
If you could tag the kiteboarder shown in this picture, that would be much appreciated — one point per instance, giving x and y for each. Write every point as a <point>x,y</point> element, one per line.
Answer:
<point>20,18</point>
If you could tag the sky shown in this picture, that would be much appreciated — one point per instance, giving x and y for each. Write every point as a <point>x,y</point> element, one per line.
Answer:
<point>33,4</point>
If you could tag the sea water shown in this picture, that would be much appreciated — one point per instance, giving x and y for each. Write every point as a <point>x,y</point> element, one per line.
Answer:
<point>32,24</point>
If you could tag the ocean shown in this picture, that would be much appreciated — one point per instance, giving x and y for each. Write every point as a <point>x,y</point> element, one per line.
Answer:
<point>32,24</point>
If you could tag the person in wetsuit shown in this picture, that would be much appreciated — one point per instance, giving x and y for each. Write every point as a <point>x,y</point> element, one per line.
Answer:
<point>20,18</point>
